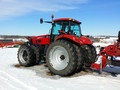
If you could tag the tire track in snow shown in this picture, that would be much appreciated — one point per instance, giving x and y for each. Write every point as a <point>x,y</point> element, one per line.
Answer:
<point>8,82</point>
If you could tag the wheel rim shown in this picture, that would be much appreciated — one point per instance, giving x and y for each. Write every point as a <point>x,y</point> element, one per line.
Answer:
<point>23,56</point>
<point>59,58</point>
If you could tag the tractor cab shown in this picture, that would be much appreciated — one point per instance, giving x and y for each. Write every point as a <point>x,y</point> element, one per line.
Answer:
<point>65,26</point>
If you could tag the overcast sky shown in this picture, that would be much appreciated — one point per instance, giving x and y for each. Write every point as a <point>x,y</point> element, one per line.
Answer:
<point>21,17</point>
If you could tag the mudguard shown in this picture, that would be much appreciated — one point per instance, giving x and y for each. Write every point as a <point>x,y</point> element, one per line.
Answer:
<point>79,40</point>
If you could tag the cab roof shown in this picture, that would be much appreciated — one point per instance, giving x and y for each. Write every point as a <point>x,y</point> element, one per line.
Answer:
<point>66,19</point>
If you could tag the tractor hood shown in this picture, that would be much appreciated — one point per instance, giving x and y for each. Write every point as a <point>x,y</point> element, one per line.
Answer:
<point>42,39</point>
<point>40,36</point>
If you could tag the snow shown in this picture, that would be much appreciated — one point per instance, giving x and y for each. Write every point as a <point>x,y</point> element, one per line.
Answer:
<point>36,78</point>
<point>101,44</point>
<point>105,42</point>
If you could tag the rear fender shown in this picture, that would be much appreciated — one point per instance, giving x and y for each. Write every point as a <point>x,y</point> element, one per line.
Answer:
<point>69,37</point>
<point>79,40</point>
<point>85,40</point>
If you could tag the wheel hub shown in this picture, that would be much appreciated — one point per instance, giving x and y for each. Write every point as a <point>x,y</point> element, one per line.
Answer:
<point>59,58</point>
<point>62,57</point>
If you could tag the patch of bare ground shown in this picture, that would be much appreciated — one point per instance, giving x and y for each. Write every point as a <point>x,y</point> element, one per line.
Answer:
<point>17,65</point>
<point>42,70</point>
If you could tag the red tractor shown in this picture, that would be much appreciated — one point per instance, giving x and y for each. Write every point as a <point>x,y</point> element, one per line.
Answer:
<point>65,50</point>
<point>108,55</point>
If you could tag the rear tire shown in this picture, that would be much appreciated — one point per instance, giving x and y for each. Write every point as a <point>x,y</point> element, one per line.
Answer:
<point>26,56</point>
<point>89,54</point>
<point>80,58</point>
<point>61,58</point>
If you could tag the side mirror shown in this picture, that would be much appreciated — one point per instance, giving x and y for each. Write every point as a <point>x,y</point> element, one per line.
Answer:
<point>52,16</point>
<point>41,20</point>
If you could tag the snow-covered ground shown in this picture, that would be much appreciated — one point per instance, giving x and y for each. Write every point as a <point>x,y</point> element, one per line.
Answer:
<point>36,78</point>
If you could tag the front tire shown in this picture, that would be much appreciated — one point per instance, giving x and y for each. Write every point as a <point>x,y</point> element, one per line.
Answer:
<point>26,55</point>
<point>37,51</point>
<point>61,58</point>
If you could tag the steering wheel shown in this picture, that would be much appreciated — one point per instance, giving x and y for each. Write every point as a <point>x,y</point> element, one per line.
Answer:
<point>62,32</point>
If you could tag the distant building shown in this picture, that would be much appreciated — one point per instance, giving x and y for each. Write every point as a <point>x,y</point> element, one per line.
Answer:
<point>6,40</point>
